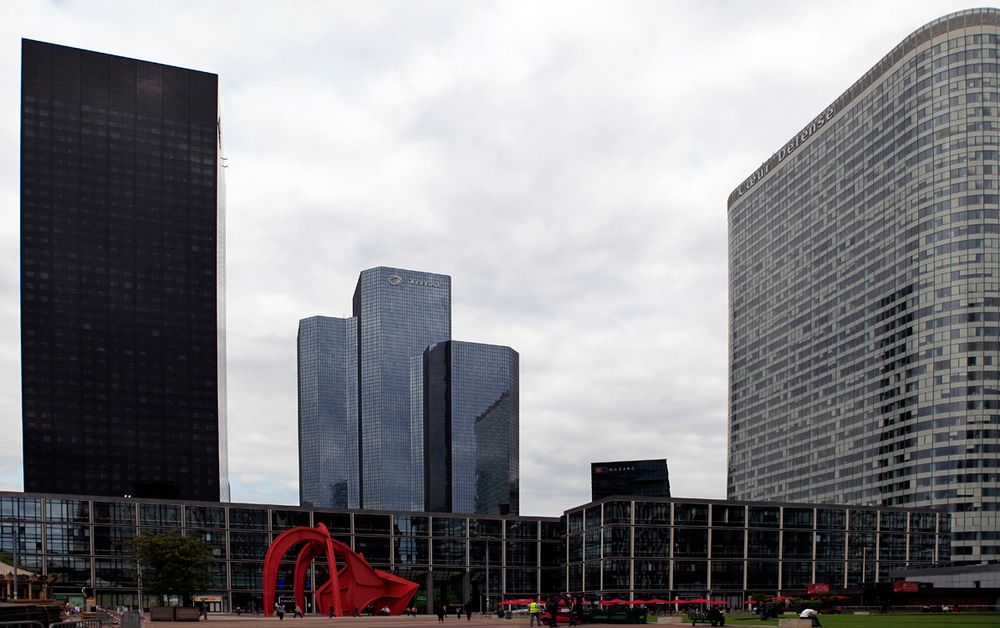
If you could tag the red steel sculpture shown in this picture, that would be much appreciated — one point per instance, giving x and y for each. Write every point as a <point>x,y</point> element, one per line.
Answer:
<point>354,586</point>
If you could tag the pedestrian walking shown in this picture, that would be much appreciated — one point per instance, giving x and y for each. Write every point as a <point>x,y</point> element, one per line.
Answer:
<point>533,608</point>
<point>552,608</point>
<point>440,613</point>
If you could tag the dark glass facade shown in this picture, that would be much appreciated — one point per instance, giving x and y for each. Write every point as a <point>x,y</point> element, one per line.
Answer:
<point>647,478</point>
<point>693,548</point>
<point>865,294</point>
<point>83,540</point>
<point>122,295</point>
<point>630,548</point>
<point>328,412</point>
<point>469,412</point>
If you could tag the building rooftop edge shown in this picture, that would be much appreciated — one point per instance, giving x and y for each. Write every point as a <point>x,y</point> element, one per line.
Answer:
<point>987,16</point>
<point>741,502</point>
<point>29,40</point>
<point>191,502</point>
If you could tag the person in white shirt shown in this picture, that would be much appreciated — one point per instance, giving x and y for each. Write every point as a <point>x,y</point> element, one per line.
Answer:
<point>811,614</point>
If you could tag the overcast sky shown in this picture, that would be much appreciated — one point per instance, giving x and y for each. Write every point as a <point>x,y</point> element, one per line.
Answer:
<point>567,163</point>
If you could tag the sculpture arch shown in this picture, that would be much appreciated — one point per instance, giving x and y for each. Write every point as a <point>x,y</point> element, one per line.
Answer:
<point>355,585</point>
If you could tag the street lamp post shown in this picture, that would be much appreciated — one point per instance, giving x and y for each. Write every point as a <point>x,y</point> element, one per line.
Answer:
<point>14,566</point>
<point>489,608</point>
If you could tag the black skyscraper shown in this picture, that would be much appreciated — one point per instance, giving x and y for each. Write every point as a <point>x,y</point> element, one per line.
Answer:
<point>122,293</point>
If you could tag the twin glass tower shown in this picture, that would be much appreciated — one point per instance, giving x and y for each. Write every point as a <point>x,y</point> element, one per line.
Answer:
<point>394,415</point>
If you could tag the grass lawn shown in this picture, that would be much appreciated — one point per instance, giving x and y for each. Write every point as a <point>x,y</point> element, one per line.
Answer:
<point>897,621</point>
<point>917,619</point>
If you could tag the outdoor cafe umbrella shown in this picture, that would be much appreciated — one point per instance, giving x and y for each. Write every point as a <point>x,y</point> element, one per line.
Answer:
<point>617,601</point>
<point>657,601</point>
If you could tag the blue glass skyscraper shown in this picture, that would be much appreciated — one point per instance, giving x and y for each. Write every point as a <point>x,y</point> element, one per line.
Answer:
<point>328,412</point>
<point>470,428</point>
<point>355,434</point>
<point>400,313</point>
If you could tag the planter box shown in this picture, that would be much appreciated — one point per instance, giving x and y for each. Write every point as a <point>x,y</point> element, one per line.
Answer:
<point>174,613</point>
<point>161,613</point>
<point>186,613</point>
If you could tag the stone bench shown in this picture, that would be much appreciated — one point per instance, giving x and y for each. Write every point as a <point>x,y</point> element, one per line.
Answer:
<point>795,623</point>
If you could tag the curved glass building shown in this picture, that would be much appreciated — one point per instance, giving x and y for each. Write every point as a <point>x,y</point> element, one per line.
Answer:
<point>864,293</point>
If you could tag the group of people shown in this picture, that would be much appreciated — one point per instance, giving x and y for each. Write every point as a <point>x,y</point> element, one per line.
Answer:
<point>460,609</point>
<point>279,610</point>
<point>550,611</point>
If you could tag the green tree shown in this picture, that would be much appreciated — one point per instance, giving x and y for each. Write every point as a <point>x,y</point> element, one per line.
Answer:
<point>173,564</point>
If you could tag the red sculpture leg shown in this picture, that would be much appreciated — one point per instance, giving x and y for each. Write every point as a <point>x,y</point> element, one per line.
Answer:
<point>305,558</point>
<point>272,559</point>
<point>354,586</point>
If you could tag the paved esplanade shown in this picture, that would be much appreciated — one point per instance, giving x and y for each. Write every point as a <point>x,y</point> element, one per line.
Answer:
<point>223,620</point>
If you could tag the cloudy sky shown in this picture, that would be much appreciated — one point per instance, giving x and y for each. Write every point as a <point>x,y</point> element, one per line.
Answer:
<point>567,163</point>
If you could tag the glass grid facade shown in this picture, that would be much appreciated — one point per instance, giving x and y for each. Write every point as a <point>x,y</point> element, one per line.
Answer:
<point>328,412</point>
<point>84,542</point>
<point>400,313</point>
<point>393,414</point>
<point>470,428</point>
<point>865,295</point>
<point>650,547</point>
<point>122,298</point>
<point>673,547</point>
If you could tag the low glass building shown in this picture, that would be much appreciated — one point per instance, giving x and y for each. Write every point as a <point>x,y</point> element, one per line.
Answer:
<point>661,547</point>
<point>616,547</point>
<point>85,542</point>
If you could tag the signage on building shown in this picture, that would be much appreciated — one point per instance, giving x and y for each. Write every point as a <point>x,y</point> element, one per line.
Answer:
<point>395,280</point>
<point>614,469</point>
<point>904,586</point>
<point>813,589</point>
<point>207,598</point>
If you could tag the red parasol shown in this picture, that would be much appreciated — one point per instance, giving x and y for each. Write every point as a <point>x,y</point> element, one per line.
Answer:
<point>716,602</point>
<point>616,601</point>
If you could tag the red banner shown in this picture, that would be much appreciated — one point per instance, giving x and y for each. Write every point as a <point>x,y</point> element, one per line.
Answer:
<point>813,589</point>
<point>905,587</point>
